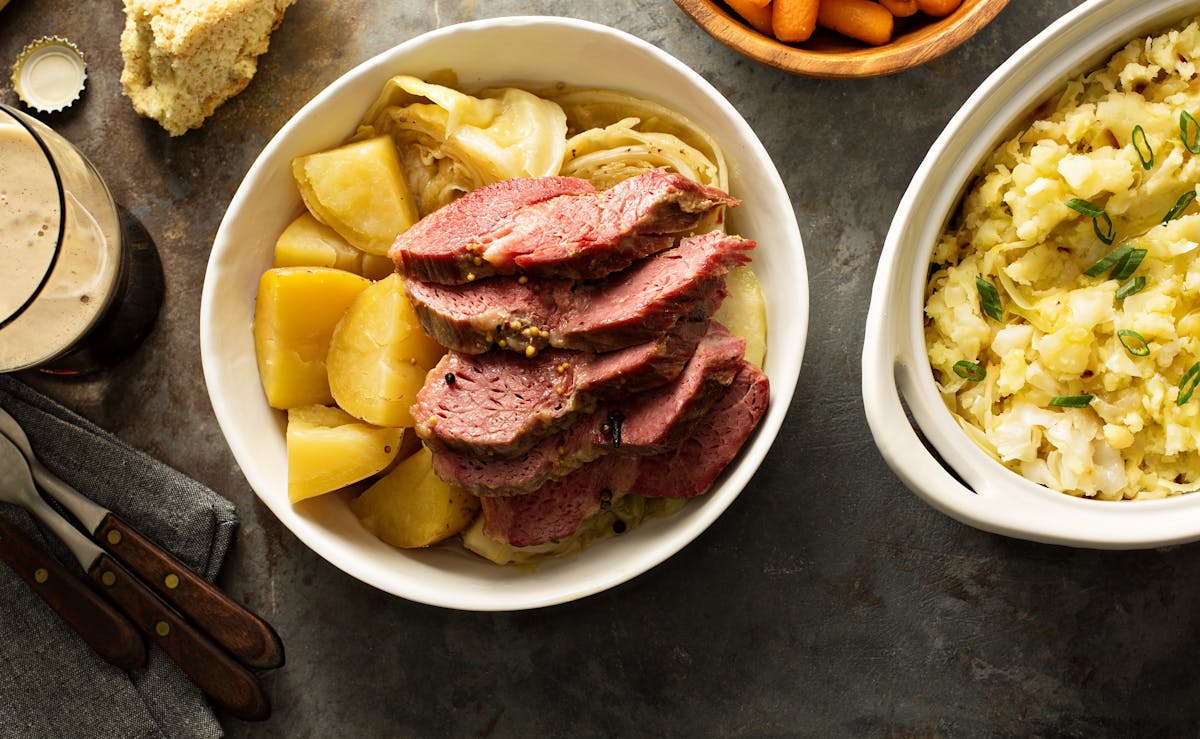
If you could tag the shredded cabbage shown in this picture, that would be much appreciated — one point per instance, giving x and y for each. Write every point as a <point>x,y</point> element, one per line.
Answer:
<point>452,142</point>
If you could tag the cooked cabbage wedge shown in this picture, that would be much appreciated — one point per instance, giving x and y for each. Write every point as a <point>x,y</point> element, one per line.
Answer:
<point>453,143</point>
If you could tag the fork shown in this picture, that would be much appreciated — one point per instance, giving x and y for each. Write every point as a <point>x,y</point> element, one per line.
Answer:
<point>230,685</point>
<point>246,636</point>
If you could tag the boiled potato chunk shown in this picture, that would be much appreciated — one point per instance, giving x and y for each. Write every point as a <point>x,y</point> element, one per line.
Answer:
<point>294,316</point>
<point>379,355</point>
<point>358,190</point>
<point>412,507</point>
<point>307,242</point>
<point>744,313</point>
<point>327,449</point>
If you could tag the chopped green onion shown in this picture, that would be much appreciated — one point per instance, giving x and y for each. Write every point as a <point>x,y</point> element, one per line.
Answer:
<point>990,298</point>
<point>1086,207</point>
<point>1097,214</point>
<point>1109,260</point>
<point>1133,342</point>
<point>1131,287</point>
<point>1180,205</point>
<point>1189,131</point>
<point>1188,384</point>
<point>1071,401</point>
<point>1127,266</point>
<point>969,370</point>
<point>1147,158</point>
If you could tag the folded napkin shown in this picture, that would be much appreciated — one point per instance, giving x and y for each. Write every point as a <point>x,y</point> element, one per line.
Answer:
<point>51,683</point>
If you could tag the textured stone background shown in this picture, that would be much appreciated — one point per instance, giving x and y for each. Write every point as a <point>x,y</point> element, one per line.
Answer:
<point>827,600</point>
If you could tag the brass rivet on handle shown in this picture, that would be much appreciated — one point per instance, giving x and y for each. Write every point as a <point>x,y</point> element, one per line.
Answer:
<point>162,628</point>
<point>114,537</point>
<point>171,581</point>
<point>40,575</point>
<point>108,577</point>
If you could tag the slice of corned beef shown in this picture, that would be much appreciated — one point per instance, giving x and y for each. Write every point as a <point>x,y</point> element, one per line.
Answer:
<point>501,404</point>
<point>690,469</point>
<point>557,509</point>
<point>435,246</point>
<point>623,309</point>
<point>641,424</point>
<point>577,236</point>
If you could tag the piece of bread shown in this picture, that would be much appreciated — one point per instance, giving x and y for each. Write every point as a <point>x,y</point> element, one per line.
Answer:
<point>183,58</point>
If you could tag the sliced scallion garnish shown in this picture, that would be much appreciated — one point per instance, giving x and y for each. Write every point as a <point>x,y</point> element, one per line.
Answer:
<point>1133,342</point>
<point>1189,132</point>
<point>1097,214</point>
<point>1132,286</point>
<point>1143,148</point>
<point>990,298</point>
<point>1108,261</point>
<point>969,370</point>
<point>1071,401</point>
<point>1127,266</point>
<point>1180,205</point>
<point>1187,385</point>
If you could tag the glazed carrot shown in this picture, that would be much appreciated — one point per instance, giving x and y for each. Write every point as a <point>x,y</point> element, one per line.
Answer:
<point>794,20</point>
<point>756,14</point>
<point>864,20</point>
<point>938,8</point>
<point>901,8</point>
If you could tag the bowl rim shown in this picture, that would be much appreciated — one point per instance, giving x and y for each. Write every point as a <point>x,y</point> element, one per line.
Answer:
<point>929,453</point>
<point>509,595</point>
<point>938,37</point>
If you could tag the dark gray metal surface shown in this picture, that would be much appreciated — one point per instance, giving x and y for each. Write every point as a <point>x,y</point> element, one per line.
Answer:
<point>828,600</point>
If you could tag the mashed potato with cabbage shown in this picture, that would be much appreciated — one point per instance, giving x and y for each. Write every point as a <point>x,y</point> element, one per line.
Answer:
<point>1060,353</point>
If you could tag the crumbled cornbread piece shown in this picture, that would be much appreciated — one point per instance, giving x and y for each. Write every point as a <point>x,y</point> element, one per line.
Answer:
<point>183,58</point>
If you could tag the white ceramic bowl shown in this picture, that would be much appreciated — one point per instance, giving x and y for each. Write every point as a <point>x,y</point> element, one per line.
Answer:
<point>520,49</point>
<point>966,483</point>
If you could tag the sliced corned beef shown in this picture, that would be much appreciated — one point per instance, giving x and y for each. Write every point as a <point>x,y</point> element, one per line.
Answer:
<point>621,310</point>
<point>578,236</point>
<point>557,508</point>
<point>501,404</point>
<point>641,424</point>
<point>690,469</point>
<point>434,247</point>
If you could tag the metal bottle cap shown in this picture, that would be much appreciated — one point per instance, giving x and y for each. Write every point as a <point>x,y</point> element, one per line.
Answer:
<point>49,74</point>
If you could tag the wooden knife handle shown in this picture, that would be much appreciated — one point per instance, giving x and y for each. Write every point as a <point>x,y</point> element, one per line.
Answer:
<point>245,635</point>
<point>229,685</point>
<point>105,630</point>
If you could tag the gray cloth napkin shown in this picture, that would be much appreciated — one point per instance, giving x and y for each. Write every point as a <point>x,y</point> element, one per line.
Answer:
<point>51,683</point>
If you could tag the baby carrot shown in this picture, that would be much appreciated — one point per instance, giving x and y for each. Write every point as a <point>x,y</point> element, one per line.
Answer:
<point>757,14</point>
<point>901,8</point>
<point>938,8</point>
<point>794,20</point>
<point>864,20</point>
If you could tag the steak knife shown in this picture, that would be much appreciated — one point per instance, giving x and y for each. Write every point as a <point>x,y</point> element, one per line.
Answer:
<point>105,630</point>
<point>245,635</point>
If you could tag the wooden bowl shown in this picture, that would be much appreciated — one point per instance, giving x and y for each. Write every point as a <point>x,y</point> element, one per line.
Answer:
<point>916,40</point>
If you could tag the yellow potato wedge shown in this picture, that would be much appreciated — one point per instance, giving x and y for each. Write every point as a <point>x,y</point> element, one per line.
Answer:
<point>744,313</point>
<point>358,190</point>
<point>307,242</point>
<point>328,449</point>
<point>379,356</point>
<point>295,313</point>
<point>411,507</point>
